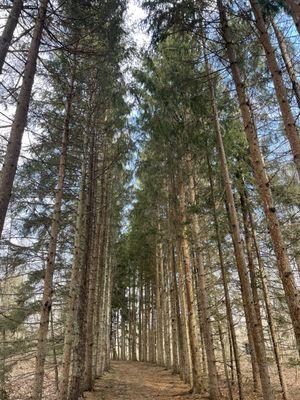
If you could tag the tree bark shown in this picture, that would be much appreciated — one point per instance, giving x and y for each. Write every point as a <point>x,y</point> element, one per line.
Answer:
<point>225,286</point>
<point>294,6</point>
<point>8,31</point>
<point>283,263</point>
<point>54,353</point>
<point>264,283</point>
<point>73,292</point>
<point>91,302</point>
<point>50,264</point>
<point>229,388</point>
<point>133,313</point>
<point>76,383</point>
<point>174,309</point>
<point>250,314</point>
<point>183,353</point>
<point>214,390</point>
<point>287,60</point>
<point>159,319</point>
<point>20,120</point>
<point>286,112</point>
<point>194,343</point>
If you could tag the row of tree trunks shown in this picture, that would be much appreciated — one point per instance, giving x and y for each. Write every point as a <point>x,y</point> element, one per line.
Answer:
<point>263,182</point>
<point>251,238</point>
<point>87,337</point>
<point>203,302</point>
<point>190,297</point>
<point>50,263</point>
<point>225,285</point>
<point>247,297</point>
<point>276,73</point>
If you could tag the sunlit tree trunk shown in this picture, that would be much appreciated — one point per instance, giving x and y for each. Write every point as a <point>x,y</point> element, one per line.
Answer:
<point>283,263</point>
<point>249,312</point>
<point>288,120</point>
<point>225,286</point>
<point>9,29</point>
<point>13,149</point>
<point>240,258</point>
<point>287,60</point>
<point>265,290</point>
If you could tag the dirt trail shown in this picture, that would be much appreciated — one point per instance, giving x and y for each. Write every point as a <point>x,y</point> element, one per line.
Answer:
<point>138,381</point>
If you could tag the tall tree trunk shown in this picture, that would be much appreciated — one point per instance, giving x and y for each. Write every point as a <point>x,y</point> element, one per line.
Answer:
<point>153,329</point>
<point>174,310</point>
<point>166,317</point>
<point>73,292</point>
<point>8,31</point>
<point>251,266</point>
<point>106,361</point>
<point>50,264</point>
<point>229,388</point>
<point>100,354</point>
<point>184,344</point>
<point>214,390</point>
<point>91,301</point>
<point>159,318</point>
<point>20,120</point>
<point>286,112</point>
<point>283,263</point>
<point>235,235</point>
<point>100,301</point>
<point>250,314</point>
<point>133,319</point>
<point>76,386</point>
<point>56,374</point>
<point>225,286</point>
<point>140,317</point>
<point>287,60</point>
<point>294,6</point>
<point>262,274</point>
<point>190,298</point>
<point>146,325</point>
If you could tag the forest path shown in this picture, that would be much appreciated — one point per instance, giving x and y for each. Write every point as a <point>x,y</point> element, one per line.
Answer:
<point>138,381</point>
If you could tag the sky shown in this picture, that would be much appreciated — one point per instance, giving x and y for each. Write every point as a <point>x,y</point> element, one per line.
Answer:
<point>135,15</point>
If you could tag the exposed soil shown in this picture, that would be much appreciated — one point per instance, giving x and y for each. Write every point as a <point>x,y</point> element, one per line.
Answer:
<point>138,381</point>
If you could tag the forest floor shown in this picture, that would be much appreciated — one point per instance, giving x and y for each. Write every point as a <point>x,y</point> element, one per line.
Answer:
<point>138,381</point>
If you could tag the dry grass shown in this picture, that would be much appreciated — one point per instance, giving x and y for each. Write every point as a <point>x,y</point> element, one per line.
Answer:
<point>138,381</point>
